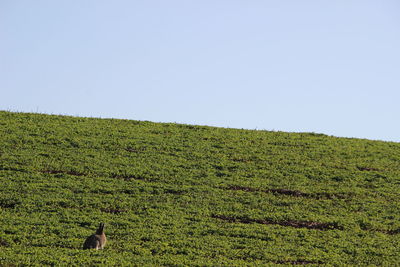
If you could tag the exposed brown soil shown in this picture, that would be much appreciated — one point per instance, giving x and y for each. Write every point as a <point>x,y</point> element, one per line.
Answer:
<point>289,223</point>
<point>3,243</point>
<point>289,192</point>
<point>393,232</point>
<point>390,232</point>
<point>175,191</point>
<point>11,169</point>
<point>368,169</point>
<point>9,204</point>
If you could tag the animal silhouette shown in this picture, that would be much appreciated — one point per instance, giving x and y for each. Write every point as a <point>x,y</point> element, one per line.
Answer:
<point>97,240</point>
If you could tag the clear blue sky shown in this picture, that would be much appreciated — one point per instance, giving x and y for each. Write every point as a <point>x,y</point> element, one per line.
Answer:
<point>330,67</point>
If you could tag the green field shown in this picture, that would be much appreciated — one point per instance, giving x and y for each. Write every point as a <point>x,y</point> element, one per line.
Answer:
<point>183,195</point>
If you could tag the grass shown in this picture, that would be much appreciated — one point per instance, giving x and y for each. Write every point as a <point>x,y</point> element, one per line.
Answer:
<point>178,195</point>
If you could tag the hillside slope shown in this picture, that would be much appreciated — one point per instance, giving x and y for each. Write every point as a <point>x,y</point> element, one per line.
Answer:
<point>175,194</point>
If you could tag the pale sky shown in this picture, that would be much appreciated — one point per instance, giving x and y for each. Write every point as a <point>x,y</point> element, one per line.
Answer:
<point>329,67</point>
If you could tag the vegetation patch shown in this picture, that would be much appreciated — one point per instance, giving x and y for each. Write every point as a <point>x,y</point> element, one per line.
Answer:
<point>74,173</point>
<point>113,210</point>
<point>127,177</point>
<point>295,193</point>
<point>186,195</point>
<point>289,223</point>
<point>298,262</point>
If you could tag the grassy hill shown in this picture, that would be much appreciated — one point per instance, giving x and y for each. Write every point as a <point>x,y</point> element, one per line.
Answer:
<point>178,195</point>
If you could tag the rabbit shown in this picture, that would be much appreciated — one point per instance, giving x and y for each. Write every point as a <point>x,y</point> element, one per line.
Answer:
<point>97,240</point>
